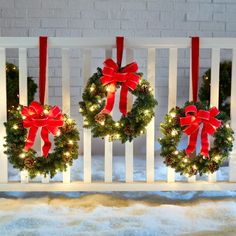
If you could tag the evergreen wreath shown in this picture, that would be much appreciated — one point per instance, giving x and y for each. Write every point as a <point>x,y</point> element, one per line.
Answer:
<point>65,150</point>
<point>225,87</point>
<point>99,97</point>
<point>193,164</point>
<point>102,125</point>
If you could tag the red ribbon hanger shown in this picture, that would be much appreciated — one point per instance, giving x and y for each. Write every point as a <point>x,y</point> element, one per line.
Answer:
<point>34,115</point>
<point>113,73</point>
<point>194,118</point>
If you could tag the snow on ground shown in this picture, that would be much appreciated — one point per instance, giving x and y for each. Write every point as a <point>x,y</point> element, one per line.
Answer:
<point>136,213</point>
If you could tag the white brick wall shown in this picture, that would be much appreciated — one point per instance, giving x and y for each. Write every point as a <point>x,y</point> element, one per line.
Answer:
<point>136,18</point>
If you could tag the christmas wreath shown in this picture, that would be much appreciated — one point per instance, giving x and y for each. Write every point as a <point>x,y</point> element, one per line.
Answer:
<point>24,123</point>
<point>99,96</point>
<point>188,120</point>
<point>192,119</point>
<point>18,145</point>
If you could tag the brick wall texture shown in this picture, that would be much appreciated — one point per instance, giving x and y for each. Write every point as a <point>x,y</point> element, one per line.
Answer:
<point>131,18</point>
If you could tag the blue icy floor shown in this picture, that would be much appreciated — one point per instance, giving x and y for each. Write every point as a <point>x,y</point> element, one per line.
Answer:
<point>137,213</point>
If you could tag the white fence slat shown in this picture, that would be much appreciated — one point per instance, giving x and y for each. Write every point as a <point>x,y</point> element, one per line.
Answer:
<point>232,161</point>
<point>215,74</point>
<point>3,116</point>
<point>66,96</point>
<point>87,132</point>
<point>150,138</point>
<point>129,152</point>
<point>23,94</point>
<point>191,179</point>
<point>108,145</point>
<point>172,96</point>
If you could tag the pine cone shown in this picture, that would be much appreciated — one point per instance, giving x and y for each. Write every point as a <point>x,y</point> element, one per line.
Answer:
<point>100,117</point>
<point>128,131</point>
<point>144,89</point>
<point>168,160</point>
<point>213,167</point>
<point>29,162</point>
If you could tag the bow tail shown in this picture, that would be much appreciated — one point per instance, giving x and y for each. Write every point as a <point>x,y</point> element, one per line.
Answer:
<point>192,142</point>
<point>110,99</point>
<point>31,137</point>
<point>123,99</point>
<point>204,142</point>
<point>47,144</point>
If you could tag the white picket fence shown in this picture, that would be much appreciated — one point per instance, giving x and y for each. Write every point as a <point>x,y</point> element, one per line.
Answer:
<point>150,44</point>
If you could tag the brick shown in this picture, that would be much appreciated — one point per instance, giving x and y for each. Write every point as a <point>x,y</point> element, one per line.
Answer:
<point>81,23</point>
<point>135,24</point>
<point>8,12</point>
<point>20,22</point>
<point>161,5</point>
<point>186,26</point>
<point>54,23</point>
<point>133,5</point>
<point>14,32</point>
<point>51,32</point>
<point>107,4</point>
<point>107,24</point>
<point>160,25</point>
<point>81,4</point>
<point>231,26</point>
<point>94,14</point>
<point>6,4</point>
<point>54,4</point>
<point>28,4</point>
<point>212,26</point>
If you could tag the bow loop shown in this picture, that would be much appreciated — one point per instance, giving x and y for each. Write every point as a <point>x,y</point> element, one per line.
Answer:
<point>193,120</point>
<point>36,118</point>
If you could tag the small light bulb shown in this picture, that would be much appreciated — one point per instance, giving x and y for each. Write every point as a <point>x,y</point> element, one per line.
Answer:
<point>85,122</point>
<point>15,126</point>
<point>80,110</point>
<point>146,111</point>
<point>13,68</point>
<point>227,126</point>
<point>45,111</point>
<point>99,100</point>
<point>217,157</point>
<point>117,136</point>
<point>185,160</point>
<point>230,139</point>
<point>58,133</point>
<point>206,77</point>
<point>102,123</point>
<point>91,108</point>
<point>194,167</point>
<point>69,120</point>
<point>67,154</point>
<point>92,89</point>
<point>176,152</point>
<point>172,114</point>
<point>22,155</point>
<point>23,117</point>
<point>117,124</point>
<point>174,132</point>
<point>70,142</point>
<point>150,89</point>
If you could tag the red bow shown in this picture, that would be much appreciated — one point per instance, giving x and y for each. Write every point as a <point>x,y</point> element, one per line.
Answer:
<point>193,120</point>
<point>111,75</point>
<point>35,117</point>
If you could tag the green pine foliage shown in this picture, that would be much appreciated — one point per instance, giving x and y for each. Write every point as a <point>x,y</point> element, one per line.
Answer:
<point>65,150</point>
<point>13,86</point>
<point>103,125</point>
<point>194,164</point>
<point>224,89</point>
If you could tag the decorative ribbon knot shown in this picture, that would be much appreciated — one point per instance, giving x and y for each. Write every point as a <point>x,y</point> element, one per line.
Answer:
<point>112,74</point>
<point>34,117</point>
<point>193,120</point>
